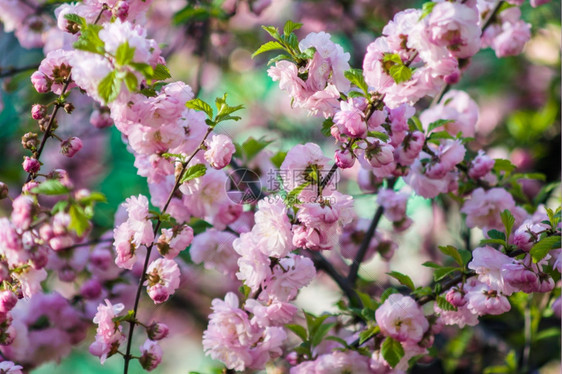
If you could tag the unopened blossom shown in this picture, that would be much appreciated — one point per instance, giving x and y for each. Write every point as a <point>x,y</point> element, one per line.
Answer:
<point>8,301</point>
<point>402,319</point>
<point>38,111</point>
<point>157,331</point>
<point>101,118</point>
<point>162,279</point>
<point>220,150</point>
<point>527,235</point>
<point>151,355</point>
<point>481,165</point>
<point>344,159</point>
<point>512,38</point>
<point>71,146</point>
<point>31,165</point>
<point>350,120</point>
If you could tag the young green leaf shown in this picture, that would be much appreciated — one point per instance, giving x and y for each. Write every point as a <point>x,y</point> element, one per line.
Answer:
<point>355,76</point>
<point>291,26</point>
<point>299,331</point>
<point>439,123</point>
<point>508,221</point>
<point>449,250</point>
<point>545,245</point>
<point>444,304</point>
<point>131,82</point>
<point>442,272</point>
<point>124,54</point>
<point>368,334</point>
<point>403,279</point>
<point>251,147</point>
<point>269,46</point>
<point>50,187</point>
<point>89,39</point>
<point>400,73</point>
<point>79,221</point>
<point>198,104</point>
<point>109,87</point>
<point>161,73</point>
<point>193,172</point>
<point>392,351</point>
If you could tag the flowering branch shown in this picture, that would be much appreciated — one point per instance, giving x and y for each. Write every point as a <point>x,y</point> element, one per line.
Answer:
<point>133,321</point>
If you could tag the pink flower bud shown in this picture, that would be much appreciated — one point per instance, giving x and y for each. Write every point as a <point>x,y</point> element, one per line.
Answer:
<point>151,355</point>
<point>101,118</point>
<point>91,289</point>
<point>379,154</point>
<point>121,10</point>
<point>344,159</point>
<point>38,111</point>
<point>71,146</point>
<point>31,165</point>
<point>40,81</point>
<point>4,191</point>
<point>456,298</point>
<point>220,151</point>
<point>8,301</point>
<point>480,166</point>
<point>157,331</point>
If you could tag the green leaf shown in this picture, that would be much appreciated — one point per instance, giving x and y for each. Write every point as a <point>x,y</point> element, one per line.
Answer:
<point>109,87</point>
<point>427,8</point>
<point>93,197</point>
<point>400,73</point>
<point>269,46</point>
<point>444,304</point>
<point>278,159</point>
<point>392,57</point>
<point>224,110</point>
<point>272,31</point>
<point>386,293</point>
<point>299,331</point>
<point>279,58</point>
<point>403,279</point>
<point>59,206</point>
<point>291,26</point>
<point>320,332</point>
<point>503,165</point>
<point>161,73</point>
<point>367,300</point>
<point>76,19</point>
<point>51,187</point>
<point>190,14</point>
<point>251,147</point>
<point>466,256</point>
<point>355,76</point>
<point>198,104</point>
<point>442,122</point>
<point>193,172</point>
<point>89,40</point>
<point>415,124</point>
<point>508,221</point>
<point>327,126</point>
<point>495,234</point>
<point>244,291</point>
<point>545,245</point>
<point>449,250</point>
<point>292,197</point>
<point>379,135</point>
<point>145,69</point>
<point>430,264</point>
<point>392,351</point>
<point>199,225</point>
<point>337,339</point>
<point>442,272</point>
<point>124,54</point>
<point>131,82</point>
<point>79,221</point>
<point>368,334</point>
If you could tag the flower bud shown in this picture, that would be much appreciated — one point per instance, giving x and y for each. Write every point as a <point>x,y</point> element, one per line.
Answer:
<point>38,111</point>
<point>157,331</point>
<point>71,146</point>
<point>151,355</point>
<point>68,107</point>
<point>3,190</point>
<point>30,141</point>
<point>8,301</point>
<point>121,10</point>
<point>31,165</point>
<point>101,118</point>
<point>344,159</point>
<point>41,82</point>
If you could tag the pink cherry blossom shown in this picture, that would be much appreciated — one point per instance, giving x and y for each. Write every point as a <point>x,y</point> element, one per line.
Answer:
<point>151,355</point>
<point>219,152</point>
<point>172,241</point>
<point>484,208</point>
<point>402,319</point>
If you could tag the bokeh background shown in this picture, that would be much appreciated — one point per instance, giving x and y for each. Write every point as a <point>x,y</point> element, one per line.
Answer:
<point>209,45</point>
